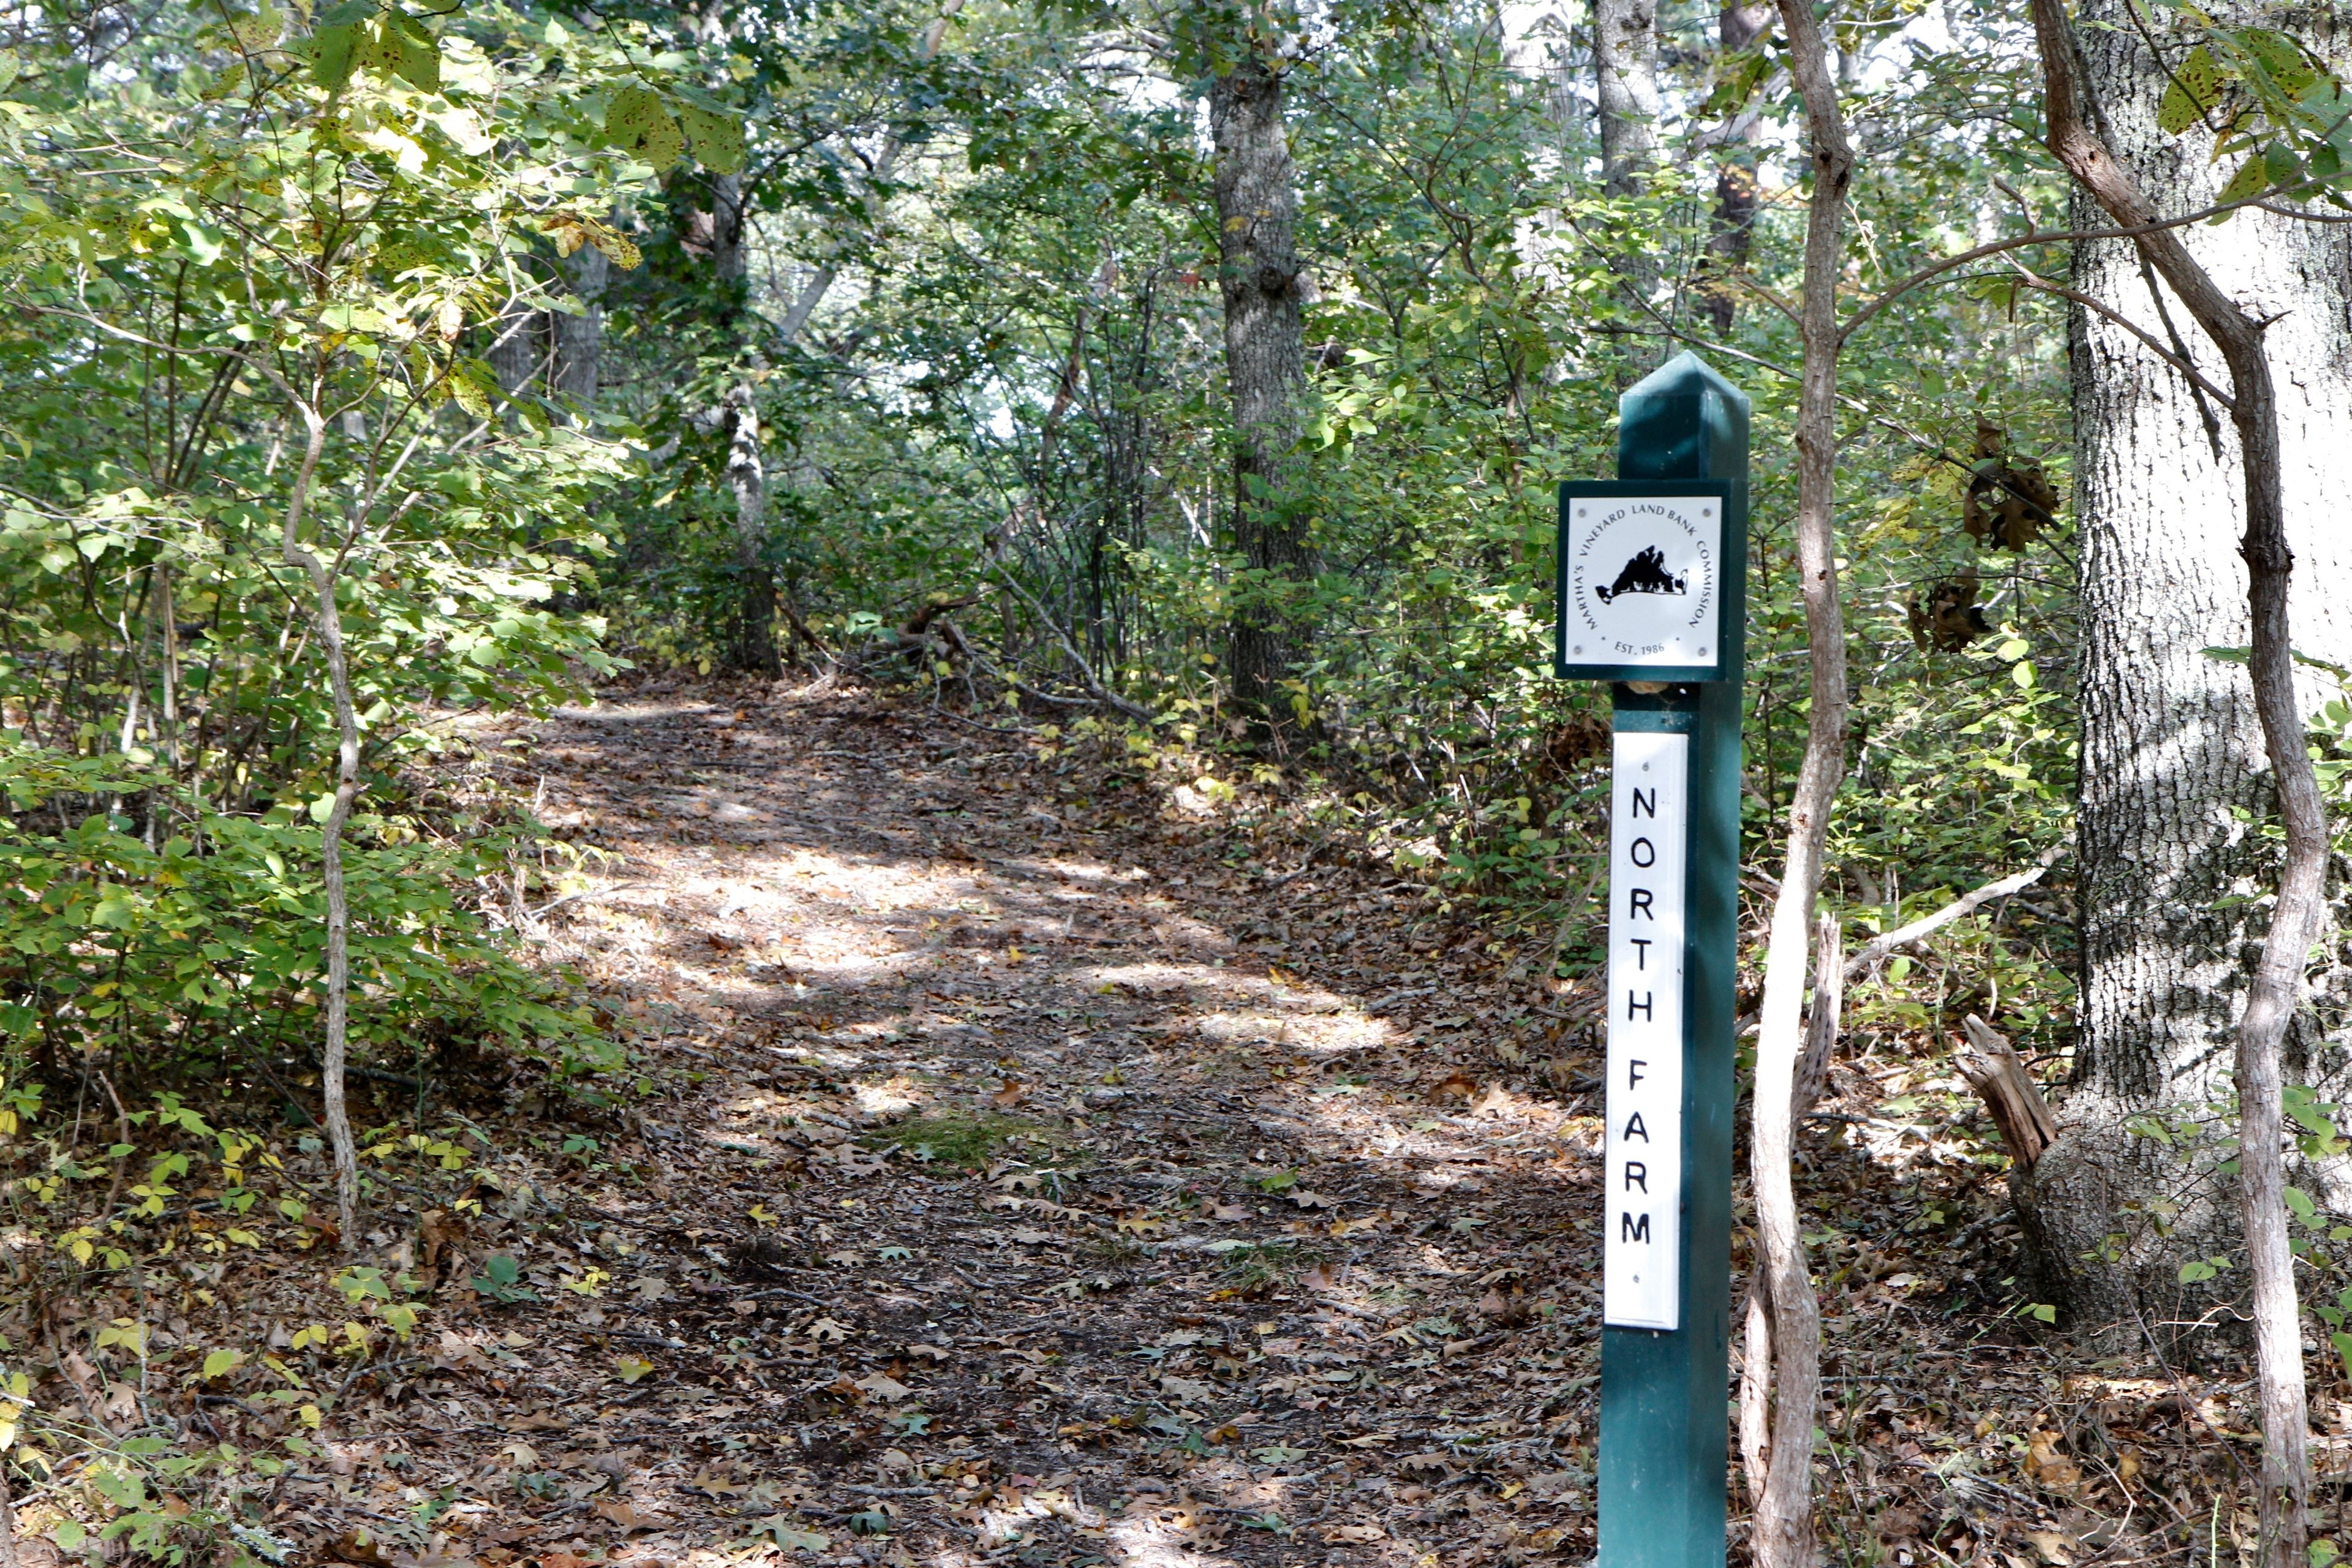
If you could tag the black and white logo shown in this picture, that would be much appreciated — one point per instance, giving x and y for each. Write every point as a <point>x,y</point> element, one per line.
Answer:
<point>1642,580</point>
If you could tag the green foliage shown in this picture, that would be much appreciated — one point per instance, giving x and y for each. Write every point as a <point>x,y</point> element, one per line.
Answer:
<point>501,1280</point>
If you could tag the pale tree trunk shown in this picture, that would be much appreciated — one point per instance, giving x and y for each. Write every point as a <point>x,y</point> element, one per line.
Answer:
<point>515,352</point>
<point>2236,335</point>
<point>754,649</point>
<point>580,339</point>
<point>1811,1077</point>
<point>2171,740</point>
<point>1265,367</point>
<point>1625,72</point>
<point>1783,1532</point>
<point>320,570</point>
<point>746,478</point>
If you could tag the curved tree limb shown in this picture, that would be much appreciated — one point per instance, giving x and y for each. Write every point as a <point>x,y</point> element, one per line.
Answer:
<point>1783,1531</point>
<point>2298,918</point>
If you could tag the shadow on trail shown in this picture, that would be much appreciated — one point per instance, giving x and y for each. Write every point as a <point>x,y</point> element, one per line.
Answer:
<point>1023,1210</point>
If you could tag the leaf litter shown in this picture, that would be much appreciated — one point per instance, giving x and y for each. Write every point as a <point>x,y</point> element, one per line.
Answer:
<point>1010,1170</point>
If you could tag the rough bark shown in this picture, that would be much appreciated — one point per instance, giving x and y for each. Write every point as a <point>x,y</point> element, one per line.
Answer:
<point>1265,368</point>
<point>2171,740</point>
<point>580,339</point>
<point>1625,71</point>
<point>1783,1532</point>
<point>1731,225</point>
<point>2236,334</point>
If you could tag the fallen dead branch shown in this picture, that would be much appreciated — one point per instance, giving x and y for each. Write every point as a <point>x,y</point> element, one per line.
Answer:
<point>1877,948</point>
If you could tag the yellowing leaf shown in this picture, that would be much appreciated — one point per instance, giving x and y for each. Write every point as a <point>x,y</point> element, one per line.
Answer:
<point>2247,182</point>
<point>220,1363</point>
<point>717,138</point>
<point>630,1368</point>
<point>2195,88</point>
<point>636,123</point>
<point>419,59</point>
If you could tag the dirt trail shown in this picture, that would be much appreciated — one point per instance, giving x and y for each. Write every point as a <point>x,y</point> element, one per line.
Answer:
<point>1001,1200</point>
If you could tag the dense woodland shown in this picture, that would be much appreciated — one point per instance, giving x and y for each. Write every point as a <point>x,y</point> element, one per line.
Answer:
<point>1172,396</point>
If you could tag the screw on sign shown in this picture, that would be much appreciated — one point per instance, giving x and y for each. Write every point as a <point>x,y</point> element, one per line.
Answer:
<point>1652,598</point>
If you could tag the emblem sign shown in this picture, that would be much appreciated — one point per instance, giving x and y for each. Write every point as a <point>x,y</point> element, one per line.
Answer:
<point>1641,590</point>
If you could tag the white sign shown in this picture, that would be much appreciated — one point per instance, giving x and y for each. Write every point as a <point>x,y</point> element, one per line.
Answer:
<point>1643,580</point>
<point>1643,1166</point>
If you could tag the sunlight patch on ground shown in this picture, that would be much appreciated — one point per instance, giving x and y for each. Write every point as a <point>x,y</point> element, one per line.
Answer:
<point>1152,979</point>
<point>1148,1544</point>
<point>1305,1032</point>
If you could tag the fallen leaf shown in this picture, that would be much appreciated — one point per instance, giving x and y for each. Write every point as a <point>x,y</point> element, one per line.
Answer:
<point>2052,1546</point>
<point>882,1385</point>
<point>359,1544</point>
<point>715,1486</point>
<point>1899,1524</point>
<point>792,1538</point>
<point>2049,1467</point>
<point>1187,1390</point>
<point>624,1514</point>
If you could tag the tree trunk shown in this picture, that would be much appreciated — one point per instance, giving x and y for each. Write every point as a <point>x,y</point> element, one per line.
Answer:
<point>1265,370</point>
<point>1731,227</point>
<point>1783,1531</point>
<point>747,478</point>
<point>754,633</point>
<point>2171,746</point>
<point>580,339</point>
<point>1625,71</point>
<point>2237,336</point>
<point>515,353</point>
<point>321,574</point>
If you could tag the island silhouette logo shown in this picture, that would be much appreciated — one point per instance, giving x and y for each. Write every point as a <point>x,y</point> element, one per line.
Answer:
<point>1645,574</point>
<point>1639,580</point>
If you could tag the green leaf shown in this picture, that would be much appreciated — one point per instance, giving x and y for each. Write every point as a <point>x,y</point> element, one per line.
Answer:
<point>717,138</point>
<point>2196,86</point>
<point>636,123</point>
<point>2247,183</point>
<point>220,1363</point>
<point>420,56</point>
<point>379,49</point>
<point>2278,58</point>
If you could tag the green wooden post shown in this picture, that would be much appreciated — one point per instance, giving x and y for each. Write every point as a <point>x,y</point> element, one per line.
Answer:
<point>1665,1397</point>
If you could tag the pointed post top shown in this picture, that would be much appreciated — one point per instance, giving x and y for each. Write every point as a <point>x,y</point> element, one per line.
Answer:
<point>1683,421</point>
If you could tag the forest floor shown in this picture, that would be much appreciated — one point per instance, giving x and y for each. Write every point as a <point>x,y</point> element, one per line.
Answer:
<point>1028,1163</point>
